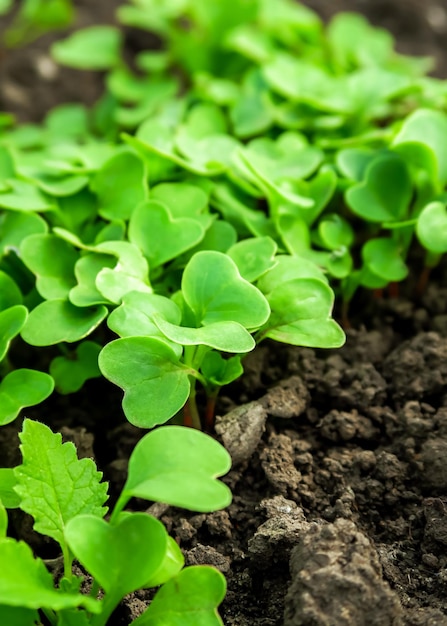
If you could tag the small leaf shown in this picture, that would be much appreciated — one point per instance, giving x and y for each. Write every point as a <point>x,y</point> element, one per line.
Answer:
<point>301,314</point>
<point>219,371</point>
<point>159,235</point>
<point>92,48</point>
<point>189,599</point>
<point>25,583</point>
<point>179,466</point>
<point>120,186</point>
<point>52,260</point>
<point>20,388</point>
<point>12,321</point>
<point>215,291</point>
<point>14,227</point>
<point>225,336</point>
<point>155,383</point>
<point>54,485</point>
<point>121,557</point>
<point>385,194</point>
<point>431,227</point>
<point>54,321</point>
<point>71,372</point>
<point>253,257</point>
<point>23,196</point>
<point>382,257</point>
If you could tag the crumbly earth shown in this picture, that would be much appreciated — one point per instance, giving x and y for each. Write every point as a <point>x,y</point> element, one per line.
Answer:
<point>339,514</point>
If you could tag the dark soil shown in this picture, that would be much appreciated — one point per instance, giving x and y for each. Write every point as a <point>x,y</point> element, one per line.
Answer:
<point>339,515</point>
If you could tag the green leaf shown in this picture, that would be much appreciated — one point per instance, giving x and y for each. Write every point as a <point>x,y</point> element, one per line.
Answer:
<point>160,236</point>
<point>54,485</point>
<point>385,194</point>
<point>189,599</point>
<point>120,186</point>
<point>92,48</point>
<point>24,196</point>
<point>25,583</point>
<point>20,388</point>
<point>179,466</point>
<point>253,257</point>
<point>14,227</point>
<point>155,383</point>
<point>122,556</point>
<point>301,314</point>
<point>172,563</point>
<point>12,321</point>
<point>428,127</point>
<point>10,294</point>
<point>54,321</point>
<point>52,260</point>
<point>8,481</point>
<point>219,371</point>
<point>382,257</point>
<point>70,372</point>
<point>182,199</point>
<point>215,291</point>
<point>431,227</point>
<point>225,336</point>
<point>3,521</point>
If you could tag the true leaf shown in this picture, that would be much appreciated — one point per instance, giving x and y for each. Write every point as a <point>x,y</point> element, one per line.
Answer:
<point>53,484</point>
<point>25,583</point>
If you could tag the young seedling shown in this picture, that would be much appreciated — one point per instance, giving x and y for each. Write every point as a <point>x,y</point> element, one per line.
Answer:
<point>66,498</point>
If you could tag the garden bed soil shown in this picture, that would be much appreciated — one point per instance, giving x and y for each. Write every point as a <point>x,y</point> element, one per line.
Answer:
<point>339,513</point>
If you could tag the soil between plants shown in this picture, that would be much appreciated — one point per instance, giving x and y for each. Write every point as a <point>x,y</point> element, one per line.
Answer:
<point>339,513</point>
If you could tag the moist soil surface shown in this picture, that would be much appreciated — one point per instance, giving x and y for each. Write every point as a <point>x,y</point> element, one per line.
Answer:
<point>339,513</point>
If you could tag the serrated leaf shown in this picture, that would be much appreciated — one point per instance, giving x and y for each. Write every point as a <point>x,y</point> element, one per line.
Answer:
<point>54,484</point>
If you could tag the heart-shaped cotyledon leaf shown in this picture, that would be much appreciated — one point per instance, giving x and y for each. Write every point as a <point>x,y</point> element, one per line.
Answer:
<point>385,194</point>
<point>189,599</point>
<point>20,388</point>
<point>160,236</point>
<point>301,314</point>
<point>179,466</point>
<point>215,291</point>
<point>156,385</point>
<point>121,556</point>
<point>70,372</point>
<point>54,321</point>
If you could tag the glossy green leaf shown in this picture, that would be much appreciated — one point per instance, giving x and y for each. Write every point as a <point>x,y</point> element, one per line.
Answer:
<point>179,466</point>
<point>253,257</point>
<point>382,256</point>
<point>172,563</point>
<point>160,236</point>
<point>215,291</point>
<point>182,199</point>
<point>122,556</point>
<point>52,260</point>
<point>219,371</point>
<point>18,616</point>
<point>120,186</point>
<point>189,599</point>
<point>385,194</point>
<point>301,314</point>
<point>10,294</point>
<point>226,335</point>
<point>14,227</point>
<point>155,383</point>
<point>21,388</point>
<point>54,321</point>
<point>431,227</point>
<point>25,196</point>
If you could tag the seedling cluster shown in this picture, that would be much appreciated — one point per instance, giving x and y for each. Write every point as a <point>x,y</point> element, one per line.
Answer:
<point>221,191</point>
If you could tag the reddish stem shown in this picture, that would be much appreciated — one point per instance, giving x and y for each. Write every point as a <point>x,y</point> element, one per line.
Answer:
<point>393,290</point>
<point>210,413</point>
<point>187,417</point>
<point>423,281</point>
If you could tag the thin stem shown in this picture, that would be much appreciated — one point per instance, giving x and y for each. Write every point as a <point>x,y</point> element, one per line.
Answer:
<point>109,604</point>
<point>210,411</point>
<point>193,414</point>
<point>68,562</point>
<point>50,615</point>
